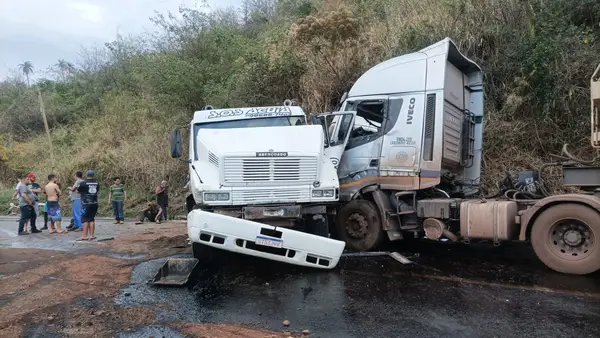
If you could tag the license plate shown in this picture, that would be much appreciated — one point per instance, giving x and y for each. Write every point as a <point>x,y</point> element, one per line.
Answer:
<point>274,213</point>
<point>266,241</point>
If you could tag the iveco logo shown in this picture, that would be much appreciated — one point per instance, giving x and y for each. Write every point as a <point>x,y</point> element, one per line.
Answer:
<point>271,153</point>
<point>411,111</point>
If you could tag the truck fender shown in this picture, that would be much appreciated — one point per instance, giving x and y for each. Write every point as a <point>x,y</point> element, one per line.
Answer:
<point>383,204</point>
<point>529,215</point>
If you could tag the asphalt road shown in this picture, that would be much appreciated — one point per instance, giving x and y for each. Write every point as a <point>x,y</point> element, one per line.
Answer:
<point>449,291</point>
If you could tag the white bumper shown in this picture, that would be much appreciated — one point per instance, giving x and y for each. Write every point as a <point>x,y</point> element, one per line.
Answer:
<point>239,235</point>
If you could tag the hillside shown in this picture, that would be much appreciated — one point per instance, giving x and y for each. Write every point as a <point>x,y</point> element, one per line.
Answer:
<point>113,112</point>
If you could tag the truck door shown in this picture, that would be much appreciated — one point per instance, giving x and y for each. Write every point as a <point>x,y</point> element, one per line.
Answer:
<point>336,130</point>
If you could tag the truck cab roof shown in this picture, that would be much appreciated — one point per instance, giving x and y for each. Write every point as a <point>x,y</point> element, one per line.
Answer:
<point>229,114</point>
<point>413,72</point>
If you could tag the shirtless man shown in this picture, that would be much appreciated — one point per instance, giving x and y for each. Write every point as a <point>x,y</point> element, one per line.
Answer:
<point>52,192</point>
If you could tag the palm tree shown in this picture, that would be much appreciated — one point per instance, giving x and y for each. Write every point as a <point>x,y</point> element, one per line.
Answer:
<point>65,67</point>
<point>26,68</point>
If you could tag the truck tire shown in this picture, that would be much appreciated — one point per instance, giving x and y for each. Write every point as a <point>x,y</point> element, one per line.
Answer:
<point>565,238</point>
<point>359,225</point>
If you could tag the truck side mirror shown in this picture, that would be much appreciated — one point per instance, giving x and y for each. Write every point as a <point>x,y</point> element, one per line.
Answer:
<point>176,140</point>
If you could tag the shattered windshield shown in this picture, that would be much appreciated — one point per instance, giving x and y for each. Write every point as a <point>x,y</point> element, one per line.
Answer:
<point>281,121</point>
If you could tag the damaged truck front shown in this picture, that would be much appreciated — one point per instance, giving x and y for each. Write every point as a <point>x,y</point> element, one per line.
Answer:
<point>260,185</point>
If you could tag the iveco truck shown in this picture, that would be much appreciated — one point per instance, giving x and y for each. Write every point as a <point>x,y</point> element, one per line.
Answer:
<point>261,185</point>
<point>411,166</point>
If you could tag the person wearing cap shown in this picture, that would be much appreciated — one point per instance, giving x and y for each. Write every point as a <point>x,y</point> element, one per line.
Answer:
<point>89,190</point>
<point>26,204</point>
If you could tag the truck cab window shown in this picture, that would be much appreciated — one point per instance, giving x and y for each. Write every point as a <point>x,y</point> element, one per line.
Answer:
<point>368,124</point>
<point>369,117</point>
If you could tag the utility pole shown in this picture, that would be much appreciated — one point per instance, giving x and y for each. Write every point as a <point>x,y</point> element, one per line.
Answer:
<point>43,111</point>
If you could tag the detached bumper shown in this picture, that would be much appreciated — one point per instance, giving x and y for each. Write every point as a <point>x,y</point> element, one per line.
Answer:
<point>283,245</point>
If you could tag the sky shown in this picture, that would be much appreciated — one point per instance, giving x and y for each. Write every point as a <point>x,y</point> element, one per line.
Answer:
<point>43,31</point>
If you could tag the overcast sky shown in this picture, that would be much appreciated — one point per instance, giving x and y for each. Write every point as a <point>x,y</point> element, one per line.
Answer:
<point>44,31</point>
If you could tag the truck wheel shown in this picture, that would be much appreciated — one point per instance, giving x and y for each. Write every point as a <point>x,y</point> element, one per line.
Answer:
<point>565,238</point>
<point>359,225</point>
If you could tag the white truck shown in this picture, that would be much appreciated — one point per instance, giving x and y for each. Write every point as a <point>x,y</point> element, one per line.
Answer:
<point>261,185</point>
<point>407,145</point>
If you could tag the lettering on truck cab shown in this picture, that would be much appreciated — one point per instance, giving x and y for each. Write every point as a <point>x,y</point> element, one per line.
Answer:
<point>411,110</point>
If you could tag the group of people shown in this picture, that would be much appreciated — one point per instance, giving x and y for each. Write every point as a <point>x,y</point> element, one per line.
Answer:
<point>84,198</point>
<point>155,211</point>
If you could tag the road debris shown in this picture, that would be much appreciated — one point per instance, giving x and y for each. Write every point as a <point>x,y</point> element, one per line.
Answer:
<point>286,323</point>
<point>400,258</point>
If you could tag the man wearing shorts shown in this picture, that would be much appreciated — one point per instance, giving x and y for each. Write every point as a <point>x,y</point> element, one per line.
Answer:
<point>89,190</point>
<point>52,192</point>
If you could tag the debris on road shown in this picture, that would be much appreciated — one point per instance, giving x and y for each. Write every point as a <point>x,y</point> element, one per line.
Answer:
<point>400,258</point>
<point>175,271</point>
<point>286,323</point>
<point>105,239</point>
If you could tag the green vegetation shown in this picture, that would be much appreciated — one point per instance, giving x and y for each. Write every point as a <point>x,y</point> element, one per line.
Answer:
<point>114,110</point>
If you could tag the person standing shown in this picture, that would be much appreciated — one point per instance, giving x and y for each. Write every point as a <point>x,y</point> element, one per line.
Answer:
<point>162,198</point>
<point>53,195</point>
<point>117,196</point>
<point>26,204</point>
<point>36,189</point>
<point>89,190</point>
<point>76,202</point>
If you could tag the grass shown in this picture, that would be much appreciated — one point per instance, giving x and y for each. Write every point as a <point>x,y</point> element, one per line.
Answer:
<point>5,199</point>
<point>537,58</point>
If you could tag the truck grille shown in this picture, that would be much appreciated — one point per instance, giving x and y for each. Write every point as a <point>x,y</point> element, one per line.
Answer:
<point>269,171</point>
<point>270,195</point>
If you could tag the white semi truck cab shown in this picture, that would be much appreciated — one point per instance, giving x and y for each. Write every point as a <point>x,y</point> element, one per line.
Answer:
<point>260,184</point>
<point>412,162</point>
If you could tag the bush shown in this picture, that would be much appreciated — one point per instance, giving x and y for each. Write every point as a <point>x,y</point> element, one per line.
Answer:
<point>114,111</point>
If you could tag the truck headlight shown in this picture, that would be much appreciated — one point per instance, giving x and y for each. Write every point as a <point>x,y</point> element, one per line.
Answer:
<point>211,196</point>
<point>323,193</point>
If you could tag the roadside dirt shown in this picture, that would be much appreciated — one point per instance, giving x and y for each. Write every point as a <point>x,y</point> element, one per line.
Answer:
<point>71,294</point>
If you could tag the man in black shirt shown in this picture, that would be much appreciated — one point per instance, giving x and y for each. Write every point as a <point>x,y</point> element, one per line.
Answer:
<point>89,190</point>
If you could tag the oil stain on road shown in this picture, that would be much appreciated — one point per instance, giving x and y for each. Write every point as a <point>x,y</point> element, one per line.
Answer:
<point>449,291</point>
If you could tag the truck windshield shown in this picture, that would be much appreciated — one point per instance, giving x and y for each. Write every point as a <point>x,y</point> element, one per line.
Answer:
<point>280,121</point>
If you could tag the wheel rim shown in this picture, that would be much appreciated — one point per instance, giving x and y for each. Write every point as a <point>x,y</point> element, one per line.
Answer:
<point>357,225</point>
<point>571,239</point>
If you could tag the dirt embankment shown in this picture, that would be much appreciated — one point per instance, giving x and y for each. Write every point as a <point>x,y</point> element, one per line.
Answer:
<point>71,293</point>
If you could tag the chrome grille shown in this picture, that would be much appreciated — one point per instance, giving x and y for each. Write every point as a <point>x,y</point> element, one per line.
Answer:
<point>269,171</point>
<point>270,195</point>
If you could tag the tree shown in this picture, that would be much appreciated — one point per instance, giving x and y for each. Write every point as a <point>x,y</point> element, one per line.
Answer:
<point>66,68</point>
<point>26,68</point>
